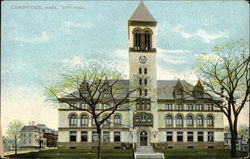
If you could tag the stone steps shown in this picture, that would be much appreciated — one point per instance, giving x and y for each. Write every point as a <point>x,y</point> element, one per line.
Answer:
<point>145,149</point>
<point>147,152</point>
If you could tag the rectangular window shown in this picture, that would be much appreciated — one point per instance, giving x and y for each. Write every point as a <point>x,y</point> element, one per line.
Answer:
<point>178,106</point>
<point>169,136</point>
<point>106,136</point>
<point>84,136</point>
<point>105,106</point>
<point>189,106</point>
<point>94,136</point>
<point>93,121</point>
<point>179,136</point>
<point>200,136</point>
<point>72,135</point>
<point>73,105</point>
<point>85,94</point>
<point>117,136</point>
<point>190,136</point>
<point>84,106</point>
<point>168,106</point>
<point>210,136</point>
<point>199,107</point>
<point>210,107</point>
<point>106,95</point>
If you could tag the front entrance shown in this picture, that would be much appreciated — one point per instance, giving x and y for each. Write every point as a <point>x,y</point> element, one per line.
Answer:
<point>143,138</point>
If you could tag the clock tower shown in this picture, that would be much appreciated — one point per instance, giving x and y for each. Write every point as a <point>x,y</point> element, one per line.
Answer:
<point>142,73</point>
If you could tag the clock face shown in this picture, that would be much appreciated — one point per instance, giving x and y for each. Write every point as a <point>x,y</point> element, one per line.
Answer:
<point>143,59</point>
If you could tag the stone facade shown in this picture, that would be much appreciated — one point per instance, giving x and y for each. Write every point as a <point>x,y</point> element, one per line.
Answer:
<point>166,118</point>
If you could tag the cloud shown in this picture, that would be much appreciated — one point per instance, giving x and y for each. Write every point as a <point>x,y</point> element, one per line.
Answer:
<point>172,56</point>
<point>206,36</point>
<point>68,26</point>
<point>40,38</point>
<point>159,50</point>
<point>75,61</point>
<point>169,74</point>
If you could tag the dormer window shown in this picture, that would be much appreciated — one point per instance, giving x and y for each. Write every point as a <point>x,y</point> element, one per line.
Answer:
<point>85,94</point>
<point>178,90</point>
<point>106,95</point>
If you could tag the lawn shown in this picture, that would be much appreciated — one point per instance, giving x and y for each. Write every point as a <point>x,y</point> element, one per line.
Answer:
<point>198,153</point>
<point>77,153</point>
<point>127,154</point>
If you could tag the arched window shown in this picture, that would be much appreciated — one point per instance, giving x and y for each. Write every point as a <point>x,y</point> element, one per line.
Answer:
<point>146,92</point>
<point>140,92</point>
<point>199,120</point>
<point>210,120</point>
<point>145,71</point>
<point>73,120</point>
<point>117,120</point>
<point>84,120</point>
<point>145,81</point>
<point>137,39</point>
<point>147,36</point>
<point>169,120</point>
<point>189,120</point>
<point>140,81</point>
<point>140,71</point>
<point>179,121</point>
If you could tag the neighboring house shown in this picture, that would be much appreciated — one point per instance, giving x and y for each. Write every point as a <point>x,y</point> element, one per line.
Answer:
<point>166,117</point>
<point>34,135</point>
<point>49,134</point>
<point>241,144</point>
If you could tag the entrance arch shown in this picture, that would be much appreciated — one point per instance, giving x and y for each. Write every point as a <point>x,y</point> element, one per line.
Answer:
<point>143,138</point>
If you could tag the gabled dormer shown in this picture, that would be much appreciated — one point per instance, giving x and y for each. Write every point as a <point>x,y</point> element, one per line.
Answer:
<point>178,90</point>
<point>198,90</point>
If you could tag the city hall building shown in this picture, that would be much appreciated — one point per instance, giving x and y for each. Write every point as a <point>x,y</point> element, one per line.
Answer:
<point>170,119</point>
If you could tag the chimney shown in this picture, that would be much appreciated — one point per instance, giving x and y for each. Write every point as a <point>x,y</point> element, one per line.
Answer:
<point>29,123</point>
<point>33,123</point>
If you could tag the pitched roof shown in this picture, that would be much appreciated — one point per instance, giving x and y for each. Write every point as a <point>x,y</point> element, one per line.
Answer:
<point>29,129</point>
<point>165,88</point>
<point>142,14</point>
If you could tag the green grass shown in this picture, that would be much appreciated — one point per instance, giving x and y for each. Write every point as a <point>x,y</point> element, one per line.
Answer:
<point>77,153</point>
<point>198,153</point>
<point>127,154</point>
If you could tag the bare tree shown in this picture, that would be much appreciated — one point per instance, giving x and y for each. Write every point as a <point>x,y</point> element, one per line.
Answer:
<point>93,86</point>
<point>225,74</point>
<point>13,132</point>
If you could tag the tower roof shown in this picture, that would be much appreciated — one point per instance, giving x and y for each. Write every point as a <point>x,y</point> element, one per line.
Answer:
<point>142,14</point>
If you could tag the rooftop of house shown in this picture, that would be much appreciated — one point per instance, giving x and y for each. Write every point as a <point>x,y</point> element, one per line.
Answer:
<point>38,128</point>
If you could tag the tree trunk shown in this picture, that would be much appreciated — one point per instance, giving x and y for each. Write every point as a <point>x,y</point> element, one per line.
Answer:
<point>40,145</point>
<point>234,138</point>
<point>233,144</point>
<point>15,144</point>
<point>99,143</point>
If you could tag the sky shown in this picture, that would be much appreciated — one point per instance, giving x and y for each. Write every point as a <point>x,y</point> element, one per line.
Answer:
<point>41,40</point>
